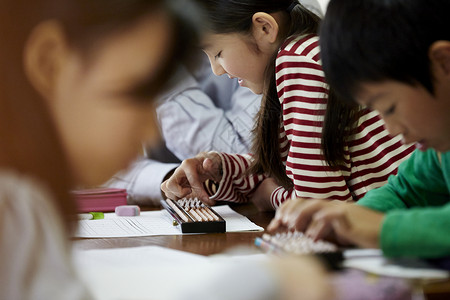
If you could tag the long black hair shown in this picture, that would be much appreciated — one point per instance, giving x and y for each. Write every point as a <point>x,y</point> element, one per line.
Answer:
<point>235,16</point>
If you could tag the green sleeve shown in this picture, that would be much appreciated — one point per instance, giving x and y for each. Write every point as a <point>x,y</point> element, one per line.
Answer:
<point>419,182</point>
<point>417,232</point>
<point>417,206</point>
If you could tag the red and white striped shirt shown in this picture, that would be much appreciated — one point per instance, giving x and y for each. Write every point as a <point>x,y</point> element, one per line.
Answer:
<point>371,155</point>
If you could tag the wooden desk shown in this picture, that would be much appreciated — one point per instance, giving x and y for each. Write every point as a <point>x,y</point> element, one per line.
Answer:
<point>203,244</point>
<point>208,244</point>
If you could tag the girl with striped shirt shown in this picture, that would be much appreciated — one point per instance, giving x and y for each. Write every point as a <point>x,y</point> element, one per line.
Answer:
<point>306,143</point>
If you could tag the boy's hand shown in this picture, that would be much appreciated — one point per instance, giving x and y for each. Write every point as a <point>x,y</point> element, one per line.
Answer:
<point>332,220</point>
<point>188,178</point>
<point>350,223</point>
<point>296,214</point>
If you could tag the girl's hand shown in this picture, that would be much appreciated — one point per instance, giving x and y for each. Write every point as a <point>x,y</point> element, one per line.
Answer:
<point>188,178</point>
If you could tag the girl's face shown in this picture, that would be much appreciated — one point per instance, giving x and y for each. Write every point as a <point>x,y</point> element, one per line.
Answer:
<point>102,124</point>
<point>412,111</point>
<point>237,56</point>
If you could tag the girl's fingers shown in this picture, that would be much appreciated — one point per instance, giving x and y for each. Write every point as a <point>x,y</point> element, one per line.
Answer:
<point>199,192</point>
<point>173,190</point>
<point>180,185</point>
<point>212,167</point>
<point>193,177</point>
<point>208,201</point>
<point>188,178</point>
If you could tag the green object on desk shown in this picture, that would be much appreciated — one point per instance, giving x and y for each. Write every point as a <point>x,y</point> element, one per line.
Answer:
<point>97,215</point>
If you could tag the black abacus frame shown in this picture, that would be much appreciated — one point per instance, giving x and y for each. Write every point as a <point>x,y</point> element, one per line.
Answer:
<point>199,226</point>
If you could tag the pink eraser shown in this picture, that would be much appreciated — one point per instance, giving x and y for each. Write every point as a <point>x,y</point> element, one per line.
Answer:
<point>128,210</point>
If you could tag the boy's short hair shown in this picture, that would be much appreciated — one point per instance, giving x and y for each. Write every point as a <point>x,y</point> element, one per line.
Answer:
<point>376,40</point>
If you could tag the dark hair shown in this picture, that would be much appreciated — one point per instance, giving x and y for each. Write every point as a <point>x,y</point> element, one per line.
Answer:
<point>371,41</point>
<point>236,16</point>
<point>29,143</point>
<point>339,124</point>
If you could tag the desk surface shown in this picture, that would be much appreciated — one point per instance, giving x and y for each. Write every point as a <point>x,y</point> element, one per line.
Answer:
<point>208,244</point>
<point>203,244</point>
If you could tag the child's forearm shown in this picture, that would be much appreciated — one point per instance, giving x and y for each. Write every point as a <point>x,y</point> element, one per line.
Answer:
<point>262,195</point>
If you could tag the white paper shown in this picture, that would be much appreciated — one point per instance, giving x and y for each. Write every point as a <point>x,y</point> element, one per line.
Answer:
<point>135,273</point>
<point>357,253</point>
<point>154,223</point>
<point>410,268</point>
<point>154,272</point>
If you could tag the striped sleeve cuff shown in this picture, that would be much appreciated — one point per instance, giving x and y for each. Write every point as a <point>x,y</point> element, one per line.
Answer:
<point>234,185</point>
<point>279,195</point>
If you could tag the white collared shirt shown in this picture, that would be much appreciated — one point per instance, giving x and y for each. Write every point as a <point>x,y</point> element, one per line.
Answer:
<point>203,112</point>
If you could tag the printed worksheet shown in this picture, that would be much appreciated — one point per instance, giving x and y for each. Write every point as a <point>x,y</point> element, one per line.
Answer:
<point>154,223</point>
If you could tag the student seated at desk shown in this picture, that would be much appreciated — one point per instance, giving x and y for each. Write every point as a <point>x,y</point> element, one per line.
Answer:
<point>393,56</point>
<point>307,143</point>
<point>77,83</point>
<point>203,112</point>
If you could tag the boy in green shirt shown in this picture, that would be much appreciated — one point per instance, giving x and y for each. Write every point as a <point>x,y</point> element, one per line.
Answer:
<point>392,56</point>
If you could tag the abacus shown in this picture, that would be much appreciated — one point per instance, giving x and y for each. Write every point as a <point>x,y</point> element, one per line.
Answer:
<point>297,243</point>
<point>294,243</point>
<point>193,216</point>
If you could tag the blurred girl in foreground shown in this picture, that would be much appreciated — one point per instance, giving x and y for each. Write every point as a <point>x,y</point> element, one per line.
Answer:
<point>77,83</point>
